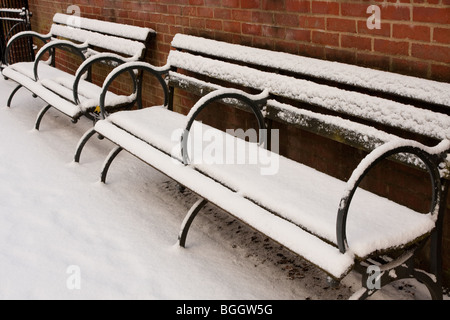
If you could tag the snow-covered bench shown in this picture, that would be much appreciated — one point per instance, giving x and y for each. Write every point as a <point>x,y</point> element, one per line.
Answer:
<point>93,41</point>
<point>301,208</point>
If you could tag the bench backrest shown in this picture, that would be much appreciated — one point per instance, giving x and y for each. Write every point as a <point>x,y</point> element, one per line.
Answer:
<point>314,106</point>
<point>123,39</point>
<point>393,86</point>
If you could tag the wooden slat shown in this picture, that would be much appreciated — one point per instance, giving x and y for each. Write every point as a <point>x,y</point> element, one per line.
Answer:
<point>107,42</point>
<point>393,86</point>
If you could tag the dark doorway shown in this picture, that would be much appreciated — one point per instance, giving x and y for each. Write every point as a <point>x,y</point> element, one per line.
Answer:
<point>14,18</point>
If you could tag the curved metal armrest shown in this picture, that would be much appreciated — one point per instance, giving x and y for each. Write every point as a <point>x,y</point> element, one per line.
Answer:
<point>430,156</point>
<point>43,37</point>
<point>158,72</point>
<point>253,101</point>
<point>78,49</point>
<point>87,64</point>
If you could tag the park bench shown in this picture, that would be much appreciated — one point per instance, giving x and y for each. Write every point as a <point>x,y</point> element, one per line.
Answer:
<point>305,210</point>
<point>92,42</point>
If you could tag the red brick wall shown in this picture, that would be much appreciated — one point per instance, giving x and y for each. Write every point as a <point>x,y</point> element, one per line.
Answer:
<point>413,39</point>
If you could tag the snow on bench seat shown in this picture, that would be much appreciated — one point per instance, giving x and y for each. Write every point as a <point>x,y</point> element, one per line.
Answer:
<point>283,205</point>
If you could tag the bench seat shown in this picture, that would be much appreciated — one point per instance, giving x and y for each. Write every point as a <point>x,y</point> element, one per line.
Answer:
<point>298,195</point>
<point>336,225</point>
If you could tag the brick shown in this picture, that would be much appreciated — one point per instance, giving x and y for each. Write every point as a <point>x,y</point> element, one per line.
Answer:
<point>274,5</point>
<point>441,35</point>
<point>273,32</point>
<point>298,35</point>
<point>214,24</point>
<point>182,21</point>
<point>411,31</point>
<point>285,19</point>
<point>196,2</point>
<point>250,4</point>
<point>286,46</point>
<point>242,15</point>
<point>197,23</point>
<point>312,22</point>
<point>174,9</point>
<point>262,17</point>
<point>213,3</point>
<point>315,51</point>
<point>391,47</point>
<point>395,12</point>
<point>298,6</point>
<point>356,42</point>
<point>384,31</point>
<point>325,38</point>
<point>205,12</point>
<point>440,72</point>
<point>354,9</point>
<point>344,25</point>
<point>232,26</point>
<point>341,55</point>
<point>263,42</point>
<point>189,11</point>
<point>230,3</point>
<point>370,60</point>
<point>220,13</point>
<point>325,7</point>
<point>431,52</point>
<point>432,15</point>
<point>251,29</point>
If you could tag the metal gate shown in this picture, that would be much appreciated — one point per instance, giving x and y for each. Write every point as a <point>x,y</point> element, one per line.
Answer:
<point>14,18</point>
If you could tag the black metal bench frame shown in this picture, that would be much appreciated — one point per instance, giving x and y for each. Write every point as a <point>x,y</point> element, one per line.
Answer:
<point>23,19</point>
<point>403,264</point>
<point>89,57</point>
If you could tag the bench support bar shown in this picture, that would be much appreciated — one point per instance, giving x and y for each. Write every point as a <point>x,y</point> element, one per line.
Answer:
<point>8,104</point>
<point>82,143</point>
<point>190,216</point>
<point>112,155</point>
<point>376,276</point>
<point>41,114</point>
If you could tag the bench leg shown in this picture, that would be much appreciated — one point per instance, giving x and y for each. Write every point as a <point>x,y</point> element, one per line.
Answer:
<point>84,139</point>
<point>8,104</point>
<point>40,116</point>
<point>112,155</point>
<point>375,276</point>
<point>188,221</point>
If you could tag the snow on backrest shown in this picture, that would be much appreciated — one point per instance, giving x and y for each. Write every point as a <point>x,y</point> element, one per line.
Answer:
<point>376,109</point>
<point>119,45</point>
<point>111,28</point>
<point>376,80</point>
<point>119,38</point>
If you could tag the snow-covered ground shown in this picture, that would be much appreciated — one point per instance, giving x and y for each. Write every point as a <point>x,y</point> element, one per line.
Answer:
<point>65,235</point>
